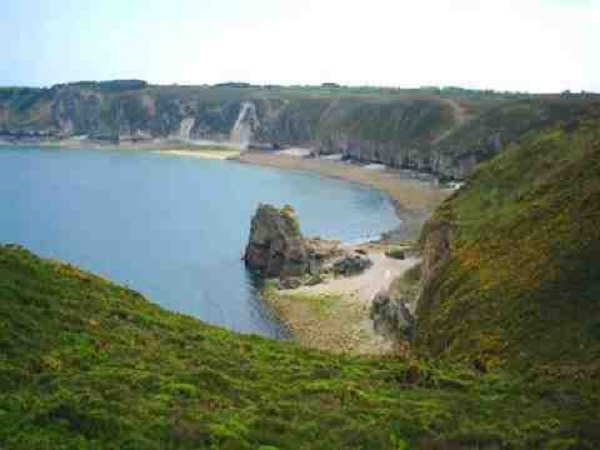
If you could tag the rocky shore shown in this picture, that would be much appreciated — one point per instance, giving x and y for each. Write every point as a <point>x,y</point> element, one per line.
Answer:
<point>345,314</point>
<point>320,289</point>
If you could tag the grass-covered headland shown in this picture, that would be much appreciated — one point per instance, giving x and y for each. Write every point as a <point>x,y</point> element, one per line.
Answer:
<point>85,363</point>
<point>513,259</point>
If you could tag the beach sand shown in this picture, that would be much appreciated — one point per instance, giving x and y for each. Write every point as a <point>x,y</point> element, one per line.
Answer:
<point>365,285</point>
<point>334,315</point>
<point>202,154</point>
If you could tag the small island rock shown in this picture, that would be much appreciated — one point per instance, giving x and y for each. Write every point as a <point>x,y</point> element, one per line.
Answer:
<point>277,249</point>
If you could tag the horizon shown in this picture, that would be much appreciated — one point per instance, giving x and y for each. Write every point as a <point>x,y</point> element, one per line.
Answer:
<point>333,85</point>
<point>538,46</point>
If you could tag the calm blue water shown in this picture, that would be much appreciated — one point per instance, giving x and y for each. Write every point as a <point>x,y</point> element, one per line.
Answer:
<point>173,228</point>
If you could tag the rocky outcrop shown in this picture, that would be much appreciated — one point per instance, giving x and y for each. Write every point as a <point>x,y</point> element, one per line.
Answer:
<point>277,249</point>
<point>322,255</point>
<point>351,264</point>
<point>436,251</point>
<point>392,317</point>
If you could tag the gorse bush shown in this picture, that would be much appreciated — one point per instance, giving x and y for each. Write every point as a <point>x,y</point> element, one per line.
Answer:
<point>88,364</point>
<point>521,282</point>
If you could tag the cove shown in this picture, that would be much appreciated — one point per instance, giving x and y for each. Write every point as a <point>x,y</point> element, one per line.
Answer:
<point>172,228</point>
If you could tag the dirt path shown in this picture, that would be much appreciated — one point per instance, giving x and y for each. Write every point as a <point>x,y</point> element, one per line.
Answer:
<point>460,117</point>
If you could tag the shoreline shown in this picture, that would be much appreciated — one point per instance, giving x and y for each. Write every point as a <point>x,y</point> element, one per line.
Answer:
<point>165,147</point>
<point>154,144</point>
<point>333,316</point>
<point>220,155</point>
<point>413,199</point>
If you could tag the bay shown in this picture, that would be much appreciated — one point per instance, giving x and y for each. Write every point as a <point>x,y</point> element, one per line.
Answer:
<point>172,228</point>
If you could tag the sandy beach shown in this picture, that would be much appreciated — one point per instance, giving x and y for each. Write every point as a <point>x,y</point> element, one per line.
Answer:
<point>202,154</point>
<point>367,284</point>
<point>334,315</point>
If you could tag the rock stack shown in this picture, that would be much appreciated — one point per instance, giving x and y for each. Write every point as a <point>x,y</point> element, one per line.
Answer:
<point>277,249</point>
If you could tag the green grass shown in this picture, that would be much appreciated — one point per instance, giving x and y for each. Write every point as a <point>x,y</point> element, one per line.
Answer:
<point>508,121</point>
<point>87,364</point>
<point>317,304</point>
<point>522,283</point>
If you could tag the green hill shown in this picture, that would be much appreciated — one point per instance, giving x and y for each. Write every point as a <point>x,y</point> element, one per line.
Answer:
<point>86,364</point>
<point>512,260</point>
<point>508,327</point>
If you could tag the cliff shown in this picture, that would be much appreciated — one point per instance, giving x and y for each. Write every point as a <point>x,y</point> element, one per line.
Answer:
<point>510,274</point>
<point>446,132</point>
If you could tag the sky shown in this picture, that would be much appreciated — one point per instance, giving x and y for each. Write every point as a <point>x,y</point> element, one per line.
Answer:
<point>507,45</point>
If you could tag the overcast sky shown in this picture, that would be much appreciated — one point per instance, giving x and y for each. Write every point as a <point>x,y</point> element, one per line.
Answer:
<point>525,45</point>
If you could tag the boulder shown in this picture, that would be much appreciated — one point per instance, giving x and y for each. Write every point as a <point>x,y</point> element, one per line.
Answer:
<point>351,263</point>
<point>392,317</point>
<point>320,252</point>
<point>290,283</point>
<point>276,248</point>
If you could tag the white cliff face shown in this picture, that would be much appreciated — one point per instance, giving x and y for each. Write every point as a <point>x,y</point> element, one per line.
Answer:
<point>185,128</point>
<point>66,127</point>
<point>245,125</point>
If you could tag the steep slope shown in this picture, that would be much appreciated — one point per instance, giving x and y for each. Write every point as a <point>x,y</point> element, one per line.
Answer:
<point>88,364</point>
<point>512,260</point>
<point>499,124</point>
<point>394,131</point>
<point>447,132</point>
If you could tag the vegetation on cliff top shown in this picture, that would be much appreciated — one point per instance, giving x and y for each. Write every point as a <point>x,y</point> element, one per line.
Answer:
<point>518,282</point>
<point>88,364</point>
<point>445,131</point>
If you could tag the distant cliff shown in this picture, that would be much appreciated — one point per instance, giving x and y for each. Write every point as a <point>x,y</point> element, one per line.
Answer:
<point>446,132</point>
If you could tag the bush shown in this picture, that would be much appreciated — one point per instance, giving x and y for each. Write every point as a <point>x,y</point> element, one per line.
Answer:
<point>396,253</point>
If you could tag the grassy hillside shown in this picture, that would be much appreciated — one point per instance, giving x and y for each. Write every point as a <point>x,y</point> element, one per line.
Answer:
<point>512,260</point>
<point>503,122</point>
<point>88,364</point>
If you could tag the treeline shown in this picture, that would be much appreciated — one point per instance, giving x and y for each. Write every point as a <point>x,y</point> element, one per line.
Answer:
<point>107,86</point>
